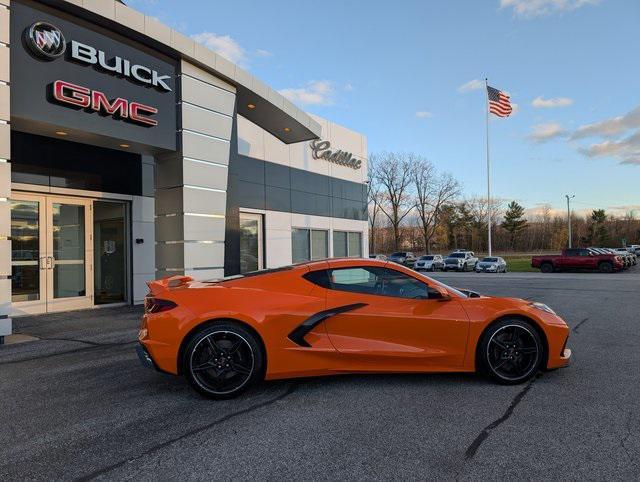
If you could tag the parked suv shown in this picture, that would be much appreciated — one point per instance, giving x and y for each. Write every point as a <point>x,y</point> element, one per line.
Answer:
<point>429,262</point>
<point>406,258</point>
<point>460,261</point>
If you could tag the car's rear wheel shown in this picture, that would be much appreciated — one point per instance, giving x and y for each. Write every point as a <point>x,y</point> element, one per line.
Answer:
<point>510,352</point>
<point>546,268</point>
<point>605,267</point>
<point>223,360</point>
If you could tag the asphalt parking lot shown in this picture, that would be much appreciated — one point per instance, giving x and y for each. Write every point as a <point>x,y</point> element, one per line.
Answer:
<point>76,404</point>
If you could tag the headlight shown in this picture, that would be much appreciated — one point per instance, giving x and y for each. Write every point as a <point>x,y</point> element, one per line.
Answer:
<point>542,306</point>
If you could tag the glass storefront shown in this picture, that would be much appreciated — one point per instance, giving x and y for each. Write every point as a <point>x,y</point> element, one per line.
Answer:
<point>110,252</point>
<point>69,250</point>
<point>25,250</point>
<point>67,253</point>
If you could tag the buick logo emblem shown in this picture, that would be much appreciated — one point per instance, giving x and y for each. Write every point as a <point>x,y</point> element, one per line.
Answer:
<point>46,40</point>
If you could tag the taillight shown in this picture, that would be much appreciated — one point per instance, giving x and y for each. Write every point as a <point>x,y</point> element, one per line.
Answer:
<point>156,305</point>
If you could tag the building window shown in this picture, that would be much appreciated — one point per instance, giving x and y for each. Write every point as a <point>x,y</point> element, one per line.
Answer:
<point>250,242</point>
<point>309,244</point>
<point>347,244</point>
<point>340,244</point>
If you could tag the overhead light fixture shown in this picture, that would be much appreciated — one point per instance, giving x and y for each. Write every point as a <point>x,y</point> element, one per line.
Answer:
<point>251,106</point>
<point>61,133</point>
<point>125,145</point>
<point>287,129</point>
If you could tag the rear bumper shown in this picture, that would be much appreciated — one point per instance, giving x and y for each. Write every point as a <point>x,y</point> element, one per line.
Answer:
<point>144,357</point>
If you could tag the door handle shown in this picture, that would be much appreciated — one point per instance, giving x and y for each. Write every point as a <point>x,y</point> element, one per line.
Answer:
<point>50,262</point>
<point>43,262</point>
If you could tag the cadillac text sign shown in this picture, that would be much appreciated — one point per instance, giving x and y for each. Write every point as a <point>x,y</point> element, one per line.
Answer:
<point>322,150</point>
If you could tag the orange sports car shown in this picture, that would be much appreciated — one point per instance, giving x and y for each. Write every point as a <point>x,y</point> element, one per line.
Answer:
<point>340,316</point>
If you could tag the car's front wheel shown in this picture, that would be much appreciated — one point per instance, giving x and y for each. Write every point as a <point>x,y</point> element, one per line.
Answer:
<point>223,360</point>
<point>510,352</point>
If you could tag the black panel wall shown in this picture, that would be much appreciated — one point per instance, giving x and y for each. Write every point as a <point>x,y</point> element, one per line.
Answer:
<point>258,184</point>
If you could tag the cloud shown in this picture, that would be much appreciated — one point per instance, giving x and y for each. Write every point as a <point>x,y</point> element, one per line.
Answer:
<point>263,53</point>
<point>545,132</point>
<point>474,84</point>
<point>627,150</point>
<point>349,87</point>
<point>540,102</point>
<point>539,8</point>
<point>316,92</point>
<point>223,45</point>
<point>611,127</point>
<point>423,114</point>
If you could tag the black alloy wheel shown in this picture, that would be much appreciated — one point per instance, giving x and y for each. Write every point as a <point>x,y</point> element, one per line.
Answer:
<point>511,352</point>
<point>223,360</point>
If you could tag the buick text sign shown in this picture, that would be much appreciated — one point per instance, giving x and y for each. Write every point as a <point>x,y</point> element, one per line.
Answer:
<point>68,73</point>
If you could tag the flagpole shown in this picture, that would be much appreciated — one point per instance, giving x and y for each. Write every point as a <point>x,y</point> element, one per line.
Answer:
<point>486,82</point>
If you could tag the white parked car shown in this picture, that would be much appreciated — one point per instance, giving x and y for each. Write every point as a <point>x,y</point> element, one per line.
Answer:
<point>626,253</point>
<point>491,264</point>
<point>460,261</point>
<point>429,262</point>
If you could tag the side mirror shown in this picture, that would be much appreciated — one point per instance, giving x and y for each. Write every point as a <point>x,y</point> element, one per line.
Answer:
<point>443,294</point>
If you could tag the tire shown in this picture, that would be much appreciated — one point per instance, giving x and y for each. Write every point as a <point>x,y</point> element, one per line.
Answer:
<point>510,352</point>
<point>605,267</point>
<point>433,268</point>
<point>464,267</point>
<point>546,268</point>
<point>240,356</point>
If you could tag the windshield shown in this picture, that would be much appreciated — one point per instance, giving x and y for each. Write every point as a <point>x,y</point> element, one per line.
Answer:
<point>426,257</point>
<point>457,255</point>
<point>489,260</point>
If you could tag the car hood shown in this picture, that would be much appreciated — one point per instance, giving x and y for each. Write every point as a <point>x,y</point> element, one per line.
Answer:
<point>487,264</point>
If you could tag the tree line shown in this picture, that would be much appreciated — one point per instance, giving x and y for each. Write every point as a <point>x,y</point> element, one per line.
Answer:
<point>414,207</point>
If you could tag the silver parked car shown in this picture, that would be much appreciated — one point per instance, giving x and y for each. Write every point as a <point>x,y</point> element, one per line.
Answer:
<point>429,262</point>
<point>378,256</point>
<point>493,264</point>
<point>406,258</point>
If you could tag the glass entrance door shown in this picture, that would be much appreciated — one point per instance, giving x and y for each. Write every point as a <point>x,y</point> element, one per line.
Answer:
<point>51,253</point>
<point>250,242</point>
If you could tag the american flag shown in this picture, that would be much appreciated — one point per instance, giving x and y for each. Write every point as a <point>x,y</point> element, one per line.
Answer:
<point>498,102</point>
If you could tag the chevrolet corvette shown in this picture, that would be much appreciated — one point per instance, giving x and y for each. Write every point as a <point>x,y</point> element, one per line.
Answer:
<point>340,316</point>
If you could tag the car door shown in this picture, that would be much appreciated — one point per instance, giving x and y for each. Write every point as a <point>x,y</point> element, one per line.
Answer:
<point>400,323</point>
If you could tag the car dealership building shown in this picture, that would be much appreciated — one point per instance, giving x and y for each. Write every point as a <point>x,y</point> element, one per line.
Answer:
<point>129,152</point>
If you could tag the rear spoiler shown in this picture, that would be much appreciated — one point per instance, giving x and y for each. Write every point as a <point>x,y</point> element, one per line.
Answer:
<point>159,286</point>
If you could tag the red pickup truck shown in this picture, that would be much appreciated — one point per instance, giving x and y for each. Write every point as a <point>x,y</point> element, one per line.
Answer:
<point>578,258</point>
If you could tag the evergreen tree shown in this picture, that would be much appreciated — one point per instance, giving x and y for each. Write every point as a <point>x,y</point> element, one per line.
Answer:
<point>514,221</point>
<point>597,232</point>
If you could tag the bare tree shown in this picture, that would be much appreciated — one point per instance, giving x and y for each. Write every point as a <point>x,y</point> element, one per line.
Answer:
<point>374,202</point>
<point>394,172</point>
<point>433,191</point>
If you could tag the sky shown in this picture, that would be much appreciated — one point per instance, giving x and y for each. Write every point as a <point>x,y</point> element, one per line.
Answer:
<point>410,76</point>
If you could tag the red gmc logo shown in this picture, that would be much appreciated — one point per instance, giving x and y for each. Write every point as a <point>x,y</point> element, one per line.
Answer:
<point>94,100</point>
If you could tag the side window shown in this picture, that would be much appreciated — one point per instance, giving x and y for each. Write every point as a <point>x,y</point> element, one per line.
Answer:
<point>571,252</point>
<point>401,285</point>
<point>583,252</point>
<point>366,280</point>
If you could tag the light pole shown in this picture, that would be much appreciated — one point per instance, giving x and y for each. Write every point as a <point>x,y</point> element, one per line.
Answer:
<point>569,215</point>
